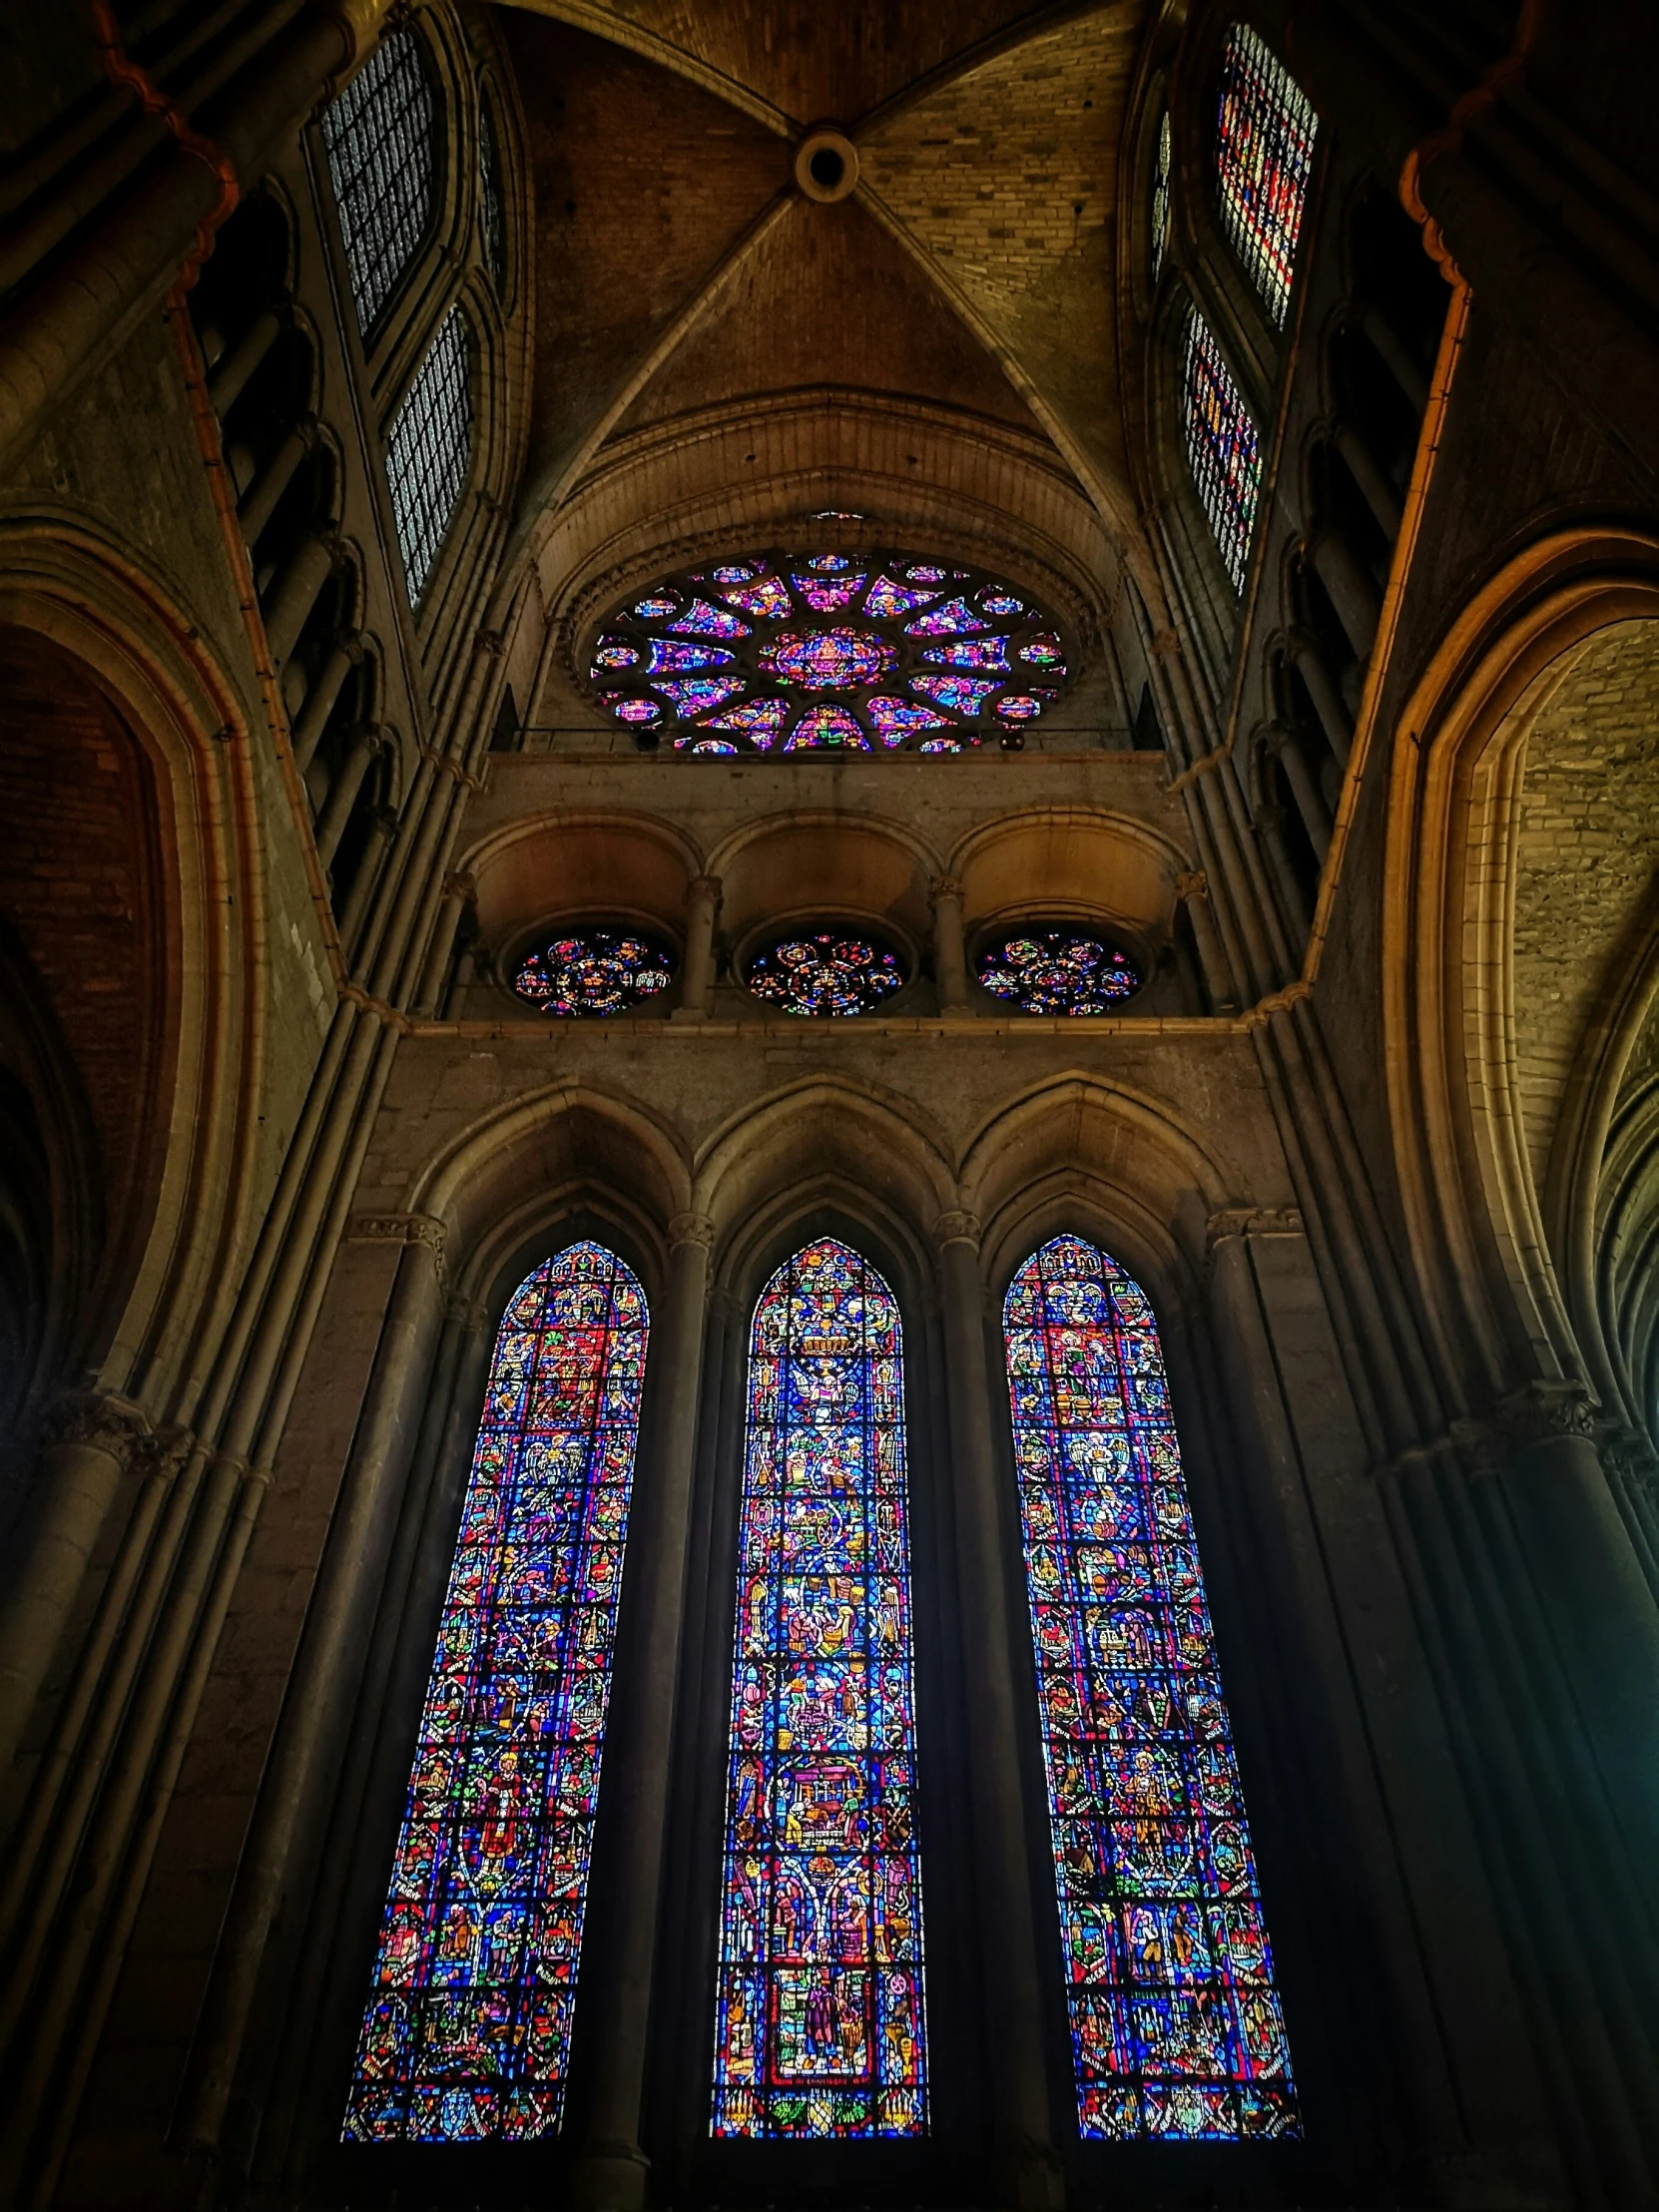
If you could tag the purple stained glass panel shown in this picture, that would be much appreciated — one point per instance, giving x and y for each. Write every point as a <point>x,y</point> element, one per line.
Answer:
<point>946,621</point>
<point>824,971</point>
<point>700,694</point>
<point>823,725</point>
<point>963,695</point>
<point>986,653</point>
<point>896,719</point>
<point>466,2033</point>
<point>769,599</point>
<point>887,598</point>
<point>1058,971</point>
<point>828,660</point>
<point>594,972</point>
<point>1176,2025</point>
<point>820,2025</point>
<point>701,620</point>
<point>669,656</point>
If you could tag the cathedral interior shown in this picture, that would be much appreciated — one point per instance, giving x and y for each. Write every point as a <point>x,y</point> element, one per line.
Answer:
<point>738,1475</point>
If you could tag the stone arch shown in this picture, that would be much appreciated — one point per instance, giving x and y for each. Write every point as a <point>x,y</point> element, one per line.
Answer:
<point>824,1132</point>
<point>1502,1110</point>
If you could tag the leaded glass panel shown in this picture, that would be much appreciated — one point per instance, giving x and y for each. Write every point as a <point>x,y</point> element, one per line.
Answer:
<point>429,449</point>
<point>834,972</point>
<point>1264,127</point>
<point>1162,166</point>
<point>492,213</point>
<point>466,2034</point>
<point>1221,447</point>
<point>380,139</point>
<point>590,973</point>
<point>1058,970</point>
<point>819,2019</point>
<point>1176,2027</point>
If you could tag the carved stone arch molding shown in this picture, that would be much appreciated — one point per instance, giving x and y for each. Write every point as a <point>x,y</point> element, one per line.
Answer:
<point>869,1140</point>
<point>1502,1231</point>
<point>173,1262</point>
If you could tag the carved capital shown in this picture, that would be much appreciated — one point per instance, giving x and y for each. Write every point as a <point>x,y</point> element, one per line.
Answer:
<point>1544,1411</point>
<point>470,1313</point>
<point>1628,1453</point>
<point>691,1229</point>
<point>1192,883</point>
<point>956,1226</point>
<point>945,886</point>
<point>703,890</point>
<point>424,1229</point>
<point>1252,1220</point>
<point>95,1421</point>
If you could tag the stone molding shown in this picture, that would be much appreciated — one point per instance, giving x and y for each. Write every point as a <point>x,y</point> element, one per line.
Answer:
<point>1252,1220</point>
<point>424,1231</point>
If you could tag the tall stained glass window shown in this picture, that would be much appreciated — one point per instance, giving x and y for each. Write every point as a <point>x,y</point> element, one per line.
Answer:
<point>1175,2025</point>
<point>1264,157</point>
<point>1223,451</point>
<point>379,135</point>
<point>819,2018</point>
<point>466,2034</point>
<point>429,449</point>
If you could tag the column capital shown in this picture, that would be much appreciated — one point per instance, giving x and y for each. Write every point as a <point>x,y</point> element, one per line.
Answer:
<point>691,1229</point>
<point>1252,1221</point>
<point>956,1227</point>
<point>470,1313</point>
<point>702,888</point>
<point>1192,882</point>
<point>944,887</point>
<point>459,885</point>
<point>99,1421</point>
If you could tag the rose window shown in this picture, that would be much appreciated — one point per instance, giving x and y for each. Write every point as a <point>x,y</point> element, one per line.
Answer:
<point>1056,970</point>
<point>817,651</point>
<point>825,971</point>
<point>594,972</point>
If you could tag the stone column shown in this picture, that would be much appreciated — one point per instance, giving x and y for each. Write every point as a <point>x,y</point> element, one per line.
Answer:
<point>294,594</point>
<point>1353,594</point>
<point>701,904</point>
<point>1270,822</point>
<point>1001,1865</point>
<point>949,952</point>
<point>88,1442</point>
<point>272,480</point>
<point>610,2172</point>
<point>382,835</point>
<point>228,377</point>
<point>1334,719</point>
<point>1193,890</point>
<point>342,791</point>
<point>457,893</point>
<point>319,701</point>
<point>1309,799</point>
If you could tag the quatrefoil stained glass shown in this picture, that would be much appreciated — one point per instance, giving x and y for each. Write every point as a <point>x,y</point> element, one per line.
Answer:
<point>825,971</point>
<point>594,972</point>
<point>1056,970</point>
<point>1176,2026</point>
<point>817,652</point>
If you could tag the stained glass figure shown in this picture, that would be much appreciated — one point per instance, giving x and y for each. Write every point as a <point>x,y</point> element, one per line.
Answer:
<point>817,649</point>
<point>1221,447</point>
<point>825,971</point>
<point>1265,129</point>
<point>1058,970</point>
<point>820,2025</point>
<point>1163,169</point>
<point>379,135</point>
<point>466,2033</point>
<point>430,450</point>
<point>594,972</point>
<point>1176,2025</point>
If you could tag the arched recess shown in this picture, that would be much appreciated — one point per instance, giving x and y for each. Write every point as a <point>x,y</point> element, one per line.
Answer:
<point>577,867</point>
<point>1074,864</point>
<point>829,1137</point>
<point>132,898</point>
<point>1514,991</point>
<point>803,866</point>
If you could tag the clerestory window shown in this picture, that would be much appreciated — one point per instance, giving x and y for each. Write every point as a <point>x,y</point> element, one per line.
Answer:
<point>1176,2026</point>
<point>1265,130</point>
<point>429,449</point>
<point>1223,451</point>
<point>380,136</point>
<point>466,2034</point>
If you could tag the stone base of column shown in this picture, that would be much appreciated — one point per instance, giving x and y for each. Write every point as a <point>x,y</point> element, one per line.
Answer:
<point>610,2178</point>
<point>1038,2178</point>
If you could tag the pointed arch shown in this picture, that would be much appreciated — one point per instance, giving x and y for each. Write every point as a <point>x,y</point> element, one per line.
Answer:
<point>819,2028</point>
<point>466,2032</point>
<point>1176,2025</point>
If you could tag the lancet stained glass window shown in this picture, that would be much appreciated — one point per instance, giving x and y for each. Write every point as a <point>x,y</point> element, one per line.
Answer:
<point>466,2036</point>
<point>811,652</point>
<point>1223,451</point>
<point>429,449</point>
<point>380,137</point>
<point>1175,2025</point>
<point>1265,131</point>
<point>819,2019</point>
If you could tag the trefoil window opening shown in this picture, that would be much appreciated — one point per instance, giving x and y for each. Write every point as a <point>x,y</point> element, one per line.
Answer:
<point>429,449</point>
<point>1265,129</point>
<point>1223,451</point>
<point>466,2033</point>
<point>380,139</point>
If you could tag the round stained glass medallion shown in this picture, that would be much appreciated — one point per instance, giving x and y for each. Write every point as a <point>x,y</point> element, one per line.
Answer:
<point>809,651</point>
<point>825,971</point>
<point>1052,969</point>
<point>594,972</point>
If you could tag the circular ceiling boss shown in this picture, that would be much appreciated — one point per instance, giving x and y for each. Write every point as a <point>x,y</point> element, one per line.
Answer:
<point>819,652</point>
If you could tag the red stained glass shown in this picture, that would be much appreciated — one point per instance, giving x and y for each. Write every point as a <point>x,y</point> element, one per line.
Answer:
<point>466,2034</point>
<point>1265,130</point>
<point>1223,451</point>
<point>1176,2025</point>
<point>819,2017</point>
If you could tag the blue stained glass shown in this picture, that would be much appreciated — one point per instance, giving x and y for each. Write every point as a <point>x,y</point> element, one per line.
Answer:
<point>972,653</point>
<point>466,2034</point>
<point>700,694</point>
<point>963,695</point>
<point>824,595</point>
<point>760,718</point>
<point>895,719</point>
<point>819,2017</point>
<point>669,656</point>
<point>769,599</point>
<point>1176,2025</point>
<point>887,599</point>
<point>657,608</point>
<point>946,621</point>
<point>1223,451</point>
<point>701,619</point>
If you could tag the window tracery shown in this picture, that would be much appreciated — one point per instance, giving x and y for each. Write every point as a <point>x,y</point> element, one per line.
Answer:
<point>493,211</point>
<point>466,2033</point>
<point>834,973</point>
<point>1176,2025</point>
<point>1265,130</point>
<point>1223,451</point>
<point>790,652</point>
<point>379,135</point>
<point>819,2027</point>
<point>1058,970</point>
<point>594,972</point>
<point>1163,162</point>
<point>429,449</point>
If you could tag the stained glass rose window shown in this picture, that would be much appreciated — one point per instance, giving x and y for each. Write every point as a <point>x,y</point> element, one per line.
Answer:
<point>1053,969</point>
<point>594,972</point>
<point>825,971</point>
<point>815,652</point>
